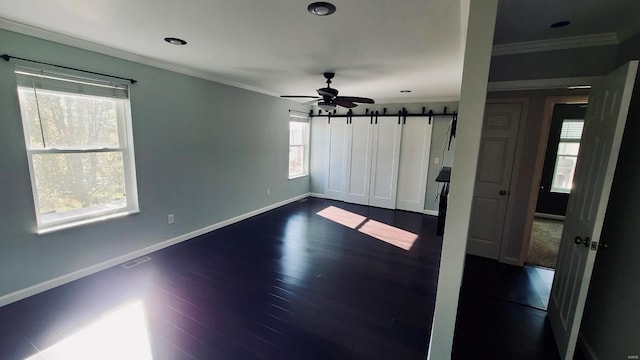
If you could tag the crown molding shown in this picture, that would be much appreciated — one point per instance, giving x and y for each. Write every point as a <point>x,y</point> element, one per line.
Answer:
<point>572,42</point>
<point>412,100</point>
<point>121,54</point>
<point>540,84</point>
<point>628,32</point>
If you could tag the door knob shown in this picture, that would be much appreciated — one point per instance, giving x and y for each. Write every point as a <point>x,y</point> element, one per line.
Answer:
<point>586,241</point>
<point>503,193</point>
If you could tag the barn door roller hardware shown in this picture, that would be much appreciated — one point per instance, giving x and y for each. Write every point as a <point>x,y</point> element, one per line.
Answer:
<point>373,115</point>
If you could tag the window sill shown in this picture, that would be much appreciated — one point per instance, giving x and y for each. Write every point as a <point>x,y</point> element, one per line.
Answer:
<point>53,228</point>
<point>298,176</point>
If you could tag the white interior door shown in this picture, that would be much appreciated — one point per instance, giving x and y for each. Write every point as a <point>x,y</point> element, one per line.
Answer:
<point>414,164</point>
<point>387,133</point>
<point>360,137</point>
<point>338,152</point>
<point>495,165</point>
<point>604,125</point>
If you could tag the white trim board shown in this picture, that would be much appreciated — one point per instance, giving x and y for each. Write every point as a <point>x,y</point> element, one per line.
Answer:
<point>317,195</point>
<point>67,278</point>
<point>430,212</point>
<point>571,42</point>
<point>540,84</point>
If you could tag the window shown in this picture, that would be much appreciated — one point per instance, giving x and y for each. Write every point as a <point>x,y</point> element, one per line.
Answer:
<point>567,155</point>
<point>79,146</point>
<point>298,151</point>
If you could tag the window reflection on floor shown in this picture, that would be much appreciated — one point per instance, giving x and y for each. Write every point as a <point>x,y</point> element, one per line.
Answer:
<point>121,334</point>
<point>294,250</point>
<point>384,232</point>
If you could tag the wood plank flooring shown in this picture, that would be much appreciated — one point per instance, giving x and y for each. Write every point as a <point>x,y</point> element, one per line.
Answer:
<point>287,284</point>
<point>502,312</point>
<point>283,285</point>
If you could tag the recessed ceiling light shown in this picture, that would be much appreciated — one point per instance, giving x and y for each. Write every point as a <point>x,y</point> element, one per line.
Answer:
<point>321,8</point>
<point>175,41</point>
<point>405,91</point>
<point>560,24</point>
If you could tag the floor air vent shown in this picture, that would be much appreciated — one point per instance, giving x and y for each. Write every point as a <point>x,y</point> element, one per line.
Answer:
<point>135,262</point>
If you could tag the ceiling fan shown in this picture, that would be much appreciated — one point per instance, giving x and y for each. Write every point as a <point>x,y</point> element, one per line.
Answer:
<point>329,98</point>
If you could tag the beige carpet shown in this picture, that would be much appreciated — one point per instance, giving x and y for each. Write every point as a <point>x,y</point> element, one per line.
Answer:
<point>545,241</point>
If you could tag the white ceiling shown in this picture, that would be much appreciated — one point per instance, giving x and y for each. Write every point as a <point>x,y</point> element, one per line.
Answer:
<point>376,47</point>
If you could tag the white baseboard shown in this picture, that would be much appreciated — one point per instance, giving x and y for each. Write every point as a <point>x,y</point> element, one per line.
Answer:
<point>61,280</point>
<point>430,212</point>
<point>587,349</point>
<point>318,195</point>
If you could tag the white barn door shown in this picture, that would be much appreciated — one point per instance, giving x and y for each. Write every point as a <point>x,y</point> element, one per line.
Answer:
<point>414,164</point>
<point>337,158</point>
<point>385,160</point>
<point>358,170</point>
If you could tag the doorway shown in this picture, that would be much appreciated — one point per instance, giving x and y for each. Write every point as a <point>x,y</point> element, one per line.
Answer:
<point>563,143</point>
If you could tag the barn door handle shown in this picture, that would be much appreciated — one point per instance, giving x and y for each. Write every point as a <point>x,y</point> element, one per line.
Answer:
<point>503,192</point>
<point>586,241</point>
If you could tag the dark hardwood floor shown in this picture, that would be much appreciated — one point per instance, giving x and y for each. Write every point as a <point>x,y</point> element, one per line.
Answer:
<point>501,313</point>
<point>287,284</point>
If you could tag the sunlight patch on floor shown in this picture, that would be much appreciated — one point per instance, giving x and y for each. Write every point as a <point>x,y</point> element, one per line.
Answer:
<point>381,231</point>
<point>342,217</point>
<point>389,234</point>
<point>121,334</point>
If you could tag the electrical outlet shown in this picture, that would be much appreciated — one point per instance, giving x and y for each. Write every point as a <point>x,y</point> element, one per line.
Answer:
<point>436,160</point>
<point>268,192</point>
<point>170,219</point>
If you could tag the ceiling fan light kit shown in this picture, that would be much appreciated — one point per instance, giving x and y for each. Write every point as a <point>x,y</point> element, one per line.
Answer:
<point>326,106</point>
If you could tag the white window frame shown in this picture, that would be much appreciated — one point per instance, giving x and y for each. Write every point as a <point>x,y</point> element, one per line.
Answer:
<point>298,119</point>
<point>72,85</point>
<point>558,155</point>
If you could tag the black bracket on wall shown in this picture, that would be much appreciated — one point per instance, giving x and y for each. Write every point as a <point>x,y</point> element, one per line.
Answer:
<point>454,125</point>
<point>9,57</point>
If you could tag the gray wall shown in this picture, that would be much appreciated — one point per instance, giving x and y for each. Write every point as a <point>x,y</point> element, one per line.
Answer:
<point>592,61</point>
<point>205,152</point>
<point>610,321</point>
<point>629,50</point>
<point>320,135</point>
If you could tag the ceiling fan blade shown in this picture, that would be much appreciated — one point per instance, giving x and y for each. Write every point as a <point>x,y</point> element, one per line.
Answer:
<point>330,92</point>
<point>345,103</point>
<point>356,99</point>
<point>310,102</point>
<point>300,96</point>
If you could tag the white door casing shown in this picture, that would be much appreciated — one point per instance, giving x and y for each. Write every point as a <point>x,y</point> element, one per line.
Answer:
<point>609,100</point>
<point>414,164</point>
<point>360,135</point>
<point>385,161</point>
<point>495,165</point>
<point>335,186</point>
